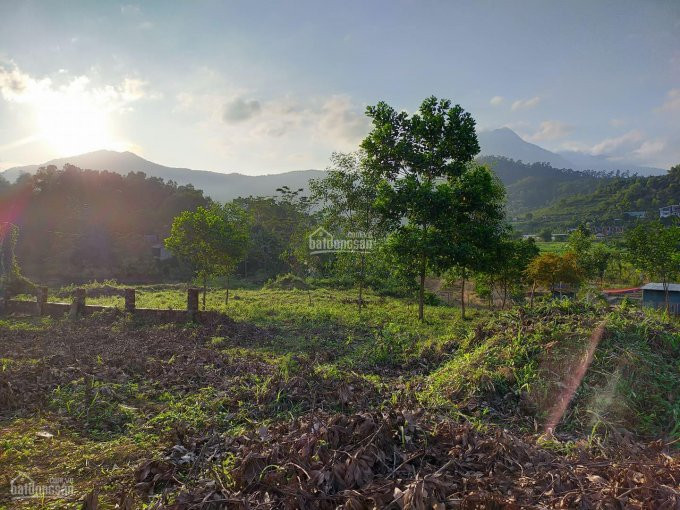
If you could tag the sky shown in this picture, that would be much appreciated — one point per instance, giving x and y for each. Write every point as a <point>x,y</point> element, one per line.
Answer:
<point>260,87</point>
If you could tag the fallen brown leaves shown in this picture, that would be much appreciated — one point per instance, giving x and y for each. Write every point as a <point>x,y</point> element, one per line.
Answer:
<point>404,460</point>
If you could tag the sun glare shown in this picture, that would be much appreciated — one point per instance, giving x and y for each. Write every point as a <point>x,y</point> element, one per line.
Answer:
<point>72,126</point>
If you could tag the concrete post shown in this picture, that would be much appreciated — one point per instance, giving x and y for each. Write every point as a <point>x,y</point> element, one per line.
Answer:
<point>42,301</point>
<point>192,304</point>
<point>130,300</point>
<point>78,304</point>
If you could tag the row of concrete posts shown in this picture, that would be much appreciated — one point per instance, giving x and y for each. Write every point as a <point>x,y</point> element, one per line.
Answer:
<point>78,308</point>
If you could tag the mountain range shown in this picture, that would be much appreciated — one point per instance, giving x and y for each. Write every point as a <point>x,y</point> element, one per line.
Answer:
<point>218,186</point>
<point>505,142</point>
<point>501,142</point>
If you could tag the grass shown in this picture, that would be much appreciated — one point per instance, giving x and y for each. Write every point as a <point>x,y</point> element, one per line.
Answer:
<point>552,247</point>
<point>115,391</point>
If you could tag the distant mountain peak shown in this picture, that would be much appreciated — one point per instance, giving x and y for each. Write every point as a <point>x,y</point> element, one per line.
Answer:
<point>507,132</point>
<point>505,142</point>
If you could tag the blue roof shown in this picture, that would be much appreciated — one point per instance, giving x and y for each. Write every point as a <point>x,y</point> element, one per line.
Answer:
<point>672,287</point>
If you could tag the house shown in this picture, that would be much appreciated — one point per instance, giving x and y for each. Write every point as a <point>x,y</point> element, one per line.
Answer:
<point>636,214</point>
<point>608,230</point>
<point>669,210</point>
<point>654,296</point>
<point>531,236</point>
<point>159,252</point>
<point>560,237</point>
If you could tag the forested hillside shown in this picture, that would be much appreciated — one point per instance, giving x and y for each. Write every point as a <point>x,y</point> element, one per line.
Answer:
<point>530,186</point>
<point>611,199</point>
<point>81,224</point>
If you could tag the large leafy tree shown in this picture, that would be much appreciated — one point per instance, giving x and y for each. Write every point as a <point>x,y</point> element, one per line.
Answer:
<point>347,195</point>
<point>430,192</point>
<point>655,250</point>
<point>212,240</point>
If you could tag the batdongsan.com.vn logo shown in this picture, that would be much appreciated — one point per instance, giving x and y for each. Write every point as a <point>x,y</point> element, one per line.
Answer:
<point>23,486</point>
<point>322,241</point>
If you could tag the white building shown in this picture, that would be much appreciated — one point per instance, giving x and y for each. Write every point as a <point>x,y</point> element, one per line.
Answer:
<point>669,210</point>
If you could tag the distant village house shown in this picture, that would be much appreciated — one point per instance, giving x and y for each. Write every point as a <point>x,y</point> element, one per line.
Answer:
<point>669,210</point>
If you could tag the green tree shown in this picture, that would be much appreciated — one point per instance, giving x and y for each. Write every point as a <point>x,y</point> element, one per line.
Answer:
<point>549,269</point>
<point>426,193</point>
<point>511,260</point>
<point>477,226</point>
<point>655,250</point>
<point>599,258</point>
<point>581,241</point>
<point>213,240</point>
<point>12,282</point>
<point>298,222</point>
<point>348,194</point>
<point>545,234</point>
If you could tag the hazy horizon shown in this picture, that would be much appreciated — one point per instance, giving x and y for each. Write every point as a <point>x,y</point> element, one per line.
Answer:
<point>259,88</point>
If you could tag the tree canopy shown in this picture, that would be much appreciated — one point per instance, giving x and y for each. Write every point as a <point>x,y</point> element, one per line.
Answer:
<point>443,209</point>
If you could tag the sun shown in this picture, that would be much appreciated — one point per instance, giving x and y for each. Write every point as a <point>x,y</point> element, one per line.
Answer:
<point>73,125</point>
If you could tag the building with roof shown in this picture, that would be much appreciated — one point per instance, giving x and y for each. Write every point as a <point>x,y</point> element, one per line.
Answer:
<point>654,296</point>
<point>669,210</point>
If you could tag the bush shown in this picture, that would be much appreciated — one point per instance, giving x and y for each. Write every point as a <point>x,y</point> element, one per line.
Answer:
<point>287,282</point>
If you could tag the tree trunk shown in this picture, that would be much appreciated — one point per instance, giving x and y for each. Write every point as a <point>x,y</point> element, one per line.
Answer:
<point>421,291</point>
<point>505,296</point>
<point>462,298</point>
<point>361,281</point>
<point>205,290</point>
<point>533,289</point>
<point>226,297</point>
<point>667,297</point>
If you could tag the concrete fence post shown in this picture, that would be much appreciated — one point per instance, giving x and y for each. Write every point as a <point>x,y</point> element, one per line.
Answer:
<point>130,304</point>
<point>78,304</point>
<point>192,304</point>
<point>42,301</point>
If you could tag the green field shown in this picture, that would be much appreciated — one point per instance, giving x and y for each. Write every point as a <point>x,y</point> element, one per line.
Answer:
<point>552,247</point>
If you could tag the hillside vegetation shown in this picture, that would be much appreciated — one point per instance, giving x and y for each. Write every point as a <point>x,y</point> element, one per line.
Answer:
<point>242,408</point>
<point>535,185</point>
<point>611,199</point>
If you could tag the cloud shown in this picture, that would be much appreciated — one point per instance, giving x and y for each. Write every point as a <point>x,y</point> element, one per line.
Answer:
<point>620,145</point>
<point>332,119</point>
<point>68,113</point>
<point>617,123</point>
<point>650,149</point>
<point>296,131</point>
<point>239,109</point>
<point>496,100</point>
<point>522,104</point>
<point>672,102</point>
<point>339,118</point>
<point>631,147</point>
<point>19,87</point>
<point>551,130</point>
